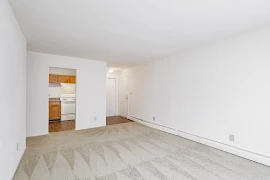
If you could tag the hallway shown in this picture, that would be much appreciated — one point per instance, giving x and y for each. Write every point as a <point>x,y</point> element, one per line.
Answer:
<point>116,120</point>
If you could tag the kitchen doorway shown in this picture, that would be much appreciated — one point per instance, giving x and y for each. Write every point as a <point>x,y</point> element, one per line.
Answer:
<point>62,99</point>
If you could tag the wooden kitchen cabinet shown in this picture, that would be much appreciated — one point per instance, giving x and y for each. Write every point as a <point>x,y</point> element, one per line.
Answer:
<point>63,79</point>
<point>54,110</point>
<point>72,79</point>
<point>53,78</point>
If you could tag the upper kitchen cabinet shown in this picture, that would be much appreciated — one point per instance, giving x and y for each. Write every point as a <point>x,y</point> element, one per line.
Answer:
<point>53,78</point>
<point>72,79</point>
<point>63,79</point>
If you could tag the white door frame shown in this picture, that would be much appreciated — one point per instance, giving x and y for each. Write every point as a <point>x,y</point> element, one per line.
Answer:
<point>76,79</point>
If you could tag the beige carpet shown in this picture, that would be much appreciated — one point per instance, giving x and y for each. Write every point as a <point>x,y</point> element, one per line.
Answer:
<point>129,151</point>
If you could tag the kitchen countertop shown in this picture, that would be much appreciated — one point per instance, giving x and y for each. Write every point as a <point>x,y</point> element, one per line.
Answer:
<point>54,99</point>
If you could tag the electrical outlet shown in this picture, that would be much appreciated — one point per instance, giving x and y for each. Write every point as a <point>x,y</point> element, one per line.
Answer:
<point>17,146</point>
<point>231,137</point>
<point>154,118</point>
<point>95,118</point>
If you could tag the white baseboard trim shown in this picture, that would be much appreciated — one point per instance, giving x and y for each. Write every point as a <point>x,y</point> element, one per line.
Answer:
<point>18,162</point>
<point>98,126</point>
<point>215,144</point>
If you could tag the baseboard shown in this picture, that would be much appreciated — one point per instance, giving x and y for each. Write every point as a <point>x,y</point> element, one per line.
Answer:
<point>18,162</point>
<point>259,158</point>
<point>28,136</point>
<point>123,116</point>
<point>96,126</point>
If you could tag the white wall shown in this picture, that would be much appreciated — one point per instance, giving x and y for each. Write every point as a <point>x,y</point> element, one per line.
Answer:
<point>62,71</point>
<point>13,92</point>
<point>90,87</point>
<point>210,92</point>
<point>55,89</point>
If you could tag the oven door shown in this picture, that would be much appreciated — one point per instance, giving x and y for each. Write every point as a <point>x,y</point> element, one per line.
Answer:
<point>68,107</point>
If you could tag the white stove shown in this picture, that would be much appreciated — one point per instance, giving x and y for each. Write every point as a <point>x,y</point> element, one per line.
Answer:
<point>68,106</point>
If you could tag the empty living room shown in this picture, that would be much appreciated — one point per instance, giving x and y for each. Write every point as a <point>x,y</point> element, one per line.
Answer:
<point>135,90</point>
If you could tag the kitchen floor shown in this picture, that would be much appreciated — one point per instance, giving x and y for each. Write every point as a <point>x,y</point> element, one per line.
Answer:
<point>56,126</point>
<point>116,120</point>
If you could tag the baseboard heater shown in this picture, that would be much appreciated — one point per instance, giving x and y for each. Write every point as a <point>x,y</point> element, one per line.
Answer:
<point>259,158</point>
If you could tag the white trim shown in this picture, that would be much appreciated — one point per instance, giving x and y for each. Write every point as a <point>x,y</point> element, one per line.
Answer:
<point>76,88</point>
<point>215,144</point>
<point>20,155</point>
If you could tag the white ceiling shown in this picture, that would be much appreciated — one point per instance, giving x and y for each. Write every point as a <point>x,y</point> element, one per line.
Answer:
<point>130,32</point>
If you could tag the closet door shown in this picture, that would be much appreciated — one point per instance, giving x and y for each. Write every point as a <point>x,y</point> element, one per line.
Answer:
<point>111,97</point>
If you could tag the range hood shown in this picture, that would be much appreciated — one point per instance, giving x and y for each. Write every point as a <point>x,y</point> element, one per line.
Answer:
<point>68,85</point>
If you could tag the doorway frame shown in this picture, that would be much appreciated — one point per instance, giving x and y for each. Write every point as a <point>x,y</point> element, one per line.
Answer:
<point>76,77</point>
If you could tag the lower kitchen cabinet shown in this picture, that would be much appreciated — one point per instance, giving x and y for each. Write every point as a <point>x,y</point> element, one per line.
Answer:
<point>54,110</point>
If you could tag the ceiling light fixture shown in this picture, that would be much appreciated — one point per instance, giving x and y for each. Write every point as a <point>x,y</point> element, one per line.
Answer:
<point>111,70</point>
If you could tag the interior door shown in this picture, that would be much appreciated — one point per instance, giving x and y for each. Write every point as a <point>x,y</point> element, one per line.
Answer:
<point>111,97</point>
<point>123,96</point>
